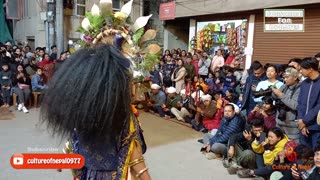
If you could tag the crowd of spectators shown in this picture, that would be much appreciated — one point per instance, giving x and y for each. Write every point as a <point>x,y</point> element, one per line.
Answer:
<point>24,71</point>
<point>256,120</point>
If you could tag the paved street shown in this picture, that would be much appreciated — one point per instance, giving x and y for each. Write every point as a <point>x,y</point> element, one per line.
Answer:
<point>173,150</point>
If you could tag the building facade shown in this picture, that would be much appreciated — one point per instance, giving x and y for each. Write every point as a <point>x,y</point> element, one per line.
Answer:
<point>268,47</point>
<point>33,30</point>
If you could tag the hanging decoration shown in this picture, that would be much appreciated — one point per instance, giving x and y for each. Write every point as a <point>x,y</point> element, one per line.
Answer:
<point>102,25</point>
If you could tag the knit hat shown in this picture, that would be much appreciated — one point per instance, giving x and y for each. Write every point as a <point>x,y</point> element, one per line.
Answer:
<point>171,90</point>
<point>206,97</point>
<point>155,86</point>
<point>236,108</point>
<point>183,92</point>
<point>291,72</point>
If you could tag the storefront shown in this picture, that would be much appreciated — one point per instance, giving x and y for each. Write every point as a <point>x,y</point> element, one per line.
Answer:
<point>211,34</point>
<point>280,47</point>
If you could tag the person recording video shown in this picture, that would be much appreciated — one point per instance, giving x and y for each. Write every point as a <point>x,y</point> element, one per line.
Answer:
<point>286,100</point>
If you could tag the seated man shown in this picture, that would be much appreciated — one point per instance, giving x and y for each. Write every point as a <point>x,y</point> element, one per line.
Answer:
<point>157,98</point>
<point>37,82</point>
<point>172,101</point>
<point>216,146</point>
<point>205,117</point>
<point>240,152</point>
<point>186,107</point>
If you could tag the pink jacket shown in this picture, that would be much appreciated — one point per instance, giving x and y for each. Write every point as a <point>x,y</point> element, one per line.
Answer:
<point>217,61</point>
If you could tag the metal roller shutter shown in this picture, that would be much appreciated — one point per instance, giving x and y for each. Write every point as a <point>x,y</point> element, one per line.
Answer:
<point>278,48</point>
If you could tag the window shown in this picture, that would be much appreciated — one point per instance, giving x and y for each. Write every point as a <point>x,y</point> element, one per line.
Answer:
<point>80,7</point>
<point>116,4</point>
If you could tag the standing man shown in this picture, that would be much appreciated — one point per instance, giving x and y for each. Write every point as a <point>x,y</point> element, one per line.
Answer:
<point>54,53</point>
<point>204,64</point>
<point>246,97</point>
<point>309,103</point>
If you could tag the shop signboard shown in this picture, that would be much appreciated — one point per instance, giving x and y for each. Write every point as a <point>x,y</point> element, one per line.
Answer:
<point>284,20</point>
<point>167,11</point>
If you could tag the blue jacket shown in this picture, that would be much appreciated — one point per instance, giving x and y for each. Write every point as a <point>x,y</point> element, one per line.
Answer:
<point>227,129</point>
<point>247,92</point>
<point>309,102</point>
<point>37,82</point>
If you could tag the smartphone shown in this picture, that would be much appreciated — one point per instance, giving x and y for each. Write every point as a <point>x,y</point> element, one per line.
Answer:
<point>262,137</point>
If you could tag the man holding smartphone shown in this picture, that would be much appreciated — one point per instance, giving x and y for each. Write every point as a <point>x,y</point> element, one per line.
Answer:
<point>246,97</point>
<point>240,154</point>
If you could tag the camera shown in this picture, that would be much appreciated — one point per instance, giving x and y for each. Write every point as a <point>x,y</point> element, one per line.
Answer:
<point>282,109</point>
<point>262,92</point>
<point>282,114</point>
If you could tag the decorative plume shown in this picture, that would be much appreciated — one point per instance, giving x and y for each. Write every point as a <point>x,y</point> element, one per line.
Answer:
<point>140,22</point>
<point>127,8</point>
<point>95,10</point>
<point>85,24</point>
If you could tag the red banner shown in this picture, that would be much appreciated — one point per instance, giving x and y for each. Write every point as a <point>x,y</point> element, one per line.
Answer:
<point>47,161</point>
<point>167,10</point>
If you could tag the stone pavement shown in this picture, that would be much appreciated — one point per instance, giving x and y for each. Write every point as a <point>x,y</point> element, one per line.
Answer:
<point>173,151</point>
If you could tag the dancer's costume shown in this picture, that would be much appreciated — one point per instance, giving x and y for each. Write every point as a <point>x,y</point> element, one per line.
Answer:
<point>101,25</point>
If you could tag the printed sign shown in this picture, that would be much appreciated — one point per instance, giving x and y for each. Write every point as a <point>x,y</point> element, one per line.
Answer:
<point>167,11</point>
<point>284,20</point>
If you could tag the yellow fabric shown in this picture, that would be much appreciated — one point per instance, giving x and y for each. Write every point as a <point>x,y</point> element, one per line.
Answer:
<point>256,147</point>
<point>133,144</point>
<point>205,88</point>
<point>220,103</point>
<point>268,156</point>
<point>126,165</point>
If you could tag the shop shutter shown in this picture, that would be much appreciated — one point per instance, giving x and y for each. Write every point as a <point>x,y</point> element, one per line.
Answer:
<point>278,48</point>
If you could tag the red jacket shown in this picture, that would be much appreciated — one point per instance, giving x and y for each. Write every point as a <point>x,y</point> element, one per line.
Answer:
<point>211,116</point>
<point>196,66</point>
<point>269,121</point>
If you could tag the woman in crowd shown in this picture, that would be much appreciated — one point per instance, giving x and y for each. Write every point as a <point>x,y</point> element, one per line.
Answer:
<point>47,66</point>
<point>269,147</point>
<point>178,75</point>
<point>217,61</point>
<point>184,55</point>
<point>22,87</point>
<point>267,112</point>
<point>265,87</point>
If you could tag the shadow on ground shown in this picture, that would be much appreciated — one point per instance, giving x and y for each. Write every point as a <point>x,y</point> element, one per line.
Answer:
<point>158,131</point>
<point>6,114</point>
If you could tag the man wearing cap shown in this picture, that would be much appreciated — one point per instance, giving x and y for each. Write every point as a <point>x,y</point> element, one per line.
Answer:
<point>157,98</point>
<point>172,101</point>
<point>287,102</point>
<point>186,108</point>
<point>204,119</point>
